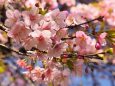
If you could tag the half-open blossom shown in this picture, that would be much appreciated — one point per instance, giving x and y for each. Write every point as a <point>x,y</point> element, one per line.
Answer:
<point>101,38</point>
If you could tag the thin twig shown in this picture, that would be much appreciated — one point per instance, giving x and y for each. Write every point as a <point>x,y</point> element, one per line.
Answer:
<point>98,18</point>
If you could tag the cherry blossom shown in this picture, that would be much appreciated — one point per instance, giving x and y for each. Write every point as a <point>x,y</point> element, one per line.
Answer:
<point>12,17</point>
<point>16,31</point>
<point>58,17</point>
<point>58,39</point>
<point>2,2</point>
<point>68,2</point>
<point>101,38</point>
<point>57,49</point>
<point>42,38</point>
<point>31,17</point>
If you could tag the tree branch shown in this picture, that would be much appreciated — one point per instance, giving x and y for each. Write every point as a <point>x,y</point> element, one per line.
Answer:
<point>3,28</point>
<point>100,18</point>
<point>11,49</point>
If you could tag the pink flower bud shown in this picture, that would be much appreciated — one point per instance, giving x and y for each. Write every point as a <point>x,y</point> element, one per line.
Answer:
<point>97,45</point>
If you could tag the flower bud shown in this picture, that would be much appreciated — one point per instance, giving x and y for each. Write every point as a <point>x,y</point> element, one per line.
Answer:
<point>98,46</point>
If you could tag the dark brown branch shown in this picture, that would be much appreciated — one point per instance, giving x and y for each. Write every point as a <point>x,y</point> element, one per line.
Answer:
<point>11,49</point>
<point>3,28</point>
<point>90,56</point>
<point>68,38</point>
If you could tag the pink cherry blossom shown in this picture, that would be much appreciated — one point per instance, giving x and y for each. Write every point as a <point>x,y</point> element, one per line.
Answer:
<point>2,2</point>
<point>12,17</point>
<point>42,38</point>
<point>74,19</point>
<point>61,34</point>
<point>19,31</point>
<point>81,37</point>
<point>29,42</point>
<point>31,17</point>
<point>58,17</point>
<point>84,10</point>
<point>85,44</point>
<point>101,38</point>
<point>68,2</point>
<point>57,50</point>
<point>30,3</point>
<point>53,3</point>
<point>22,63</point>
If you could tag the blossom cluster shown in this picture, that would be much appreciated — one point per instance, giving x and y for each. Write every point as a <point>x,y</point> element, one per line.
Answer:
<point>46,34</point>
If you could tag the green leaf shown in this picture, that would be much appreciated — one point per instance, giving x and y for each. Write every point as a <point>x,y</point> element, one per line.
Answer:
<point>2,67</point>
<point>109,51</point>
<point>43,12</point>
<point>70,64</point>
<point>50,84</point>
<point>110,31</point>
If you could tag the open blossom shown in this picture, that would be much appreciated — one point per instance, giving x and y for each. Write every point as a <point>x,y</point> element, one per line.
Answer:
<point>30,3</point>
<point>58,18</point>
<point>107,9</point>
<point>19,31</point>
<point>36,73</point>
<point>22,63</point>
<point>42,38</point>
<point>85,10</point>
<point>29,42</point>
<point>85,44</point>
<point>74,19</point>
<point>68,2</point>
<point>53,3</point>
<point>31,17</point>
<point>60,34</point>
<point>111,18</point>
<point>12,17</point>
<point>57,50</point>
<point>81,37</point>
<point>2,2</point>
